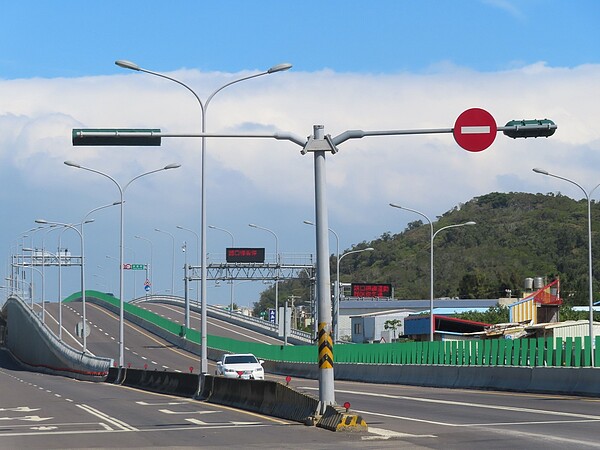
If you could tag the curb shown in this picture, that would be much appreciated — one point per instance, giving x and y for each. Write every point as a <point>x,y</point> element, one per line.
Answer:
<point>336,418</point>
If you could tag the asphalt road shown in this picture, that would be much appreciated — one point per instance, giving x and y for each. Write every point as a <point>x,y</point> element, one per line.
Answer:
<point>398,416</point>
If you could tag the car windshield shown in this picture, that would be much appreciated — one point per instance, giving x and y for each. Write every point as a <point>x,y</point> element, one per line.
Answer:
<point>239,359</point>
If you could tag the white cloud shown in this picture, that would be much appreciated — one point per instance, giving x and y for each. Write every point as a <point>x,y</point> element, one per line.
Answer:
<point>269,181</point>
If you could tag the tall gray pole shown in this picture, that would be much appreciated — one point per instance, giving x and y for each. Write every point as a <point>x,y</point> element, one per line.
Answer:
<point>588,196</point>
<point>203,224</point>
<point>326,379</point>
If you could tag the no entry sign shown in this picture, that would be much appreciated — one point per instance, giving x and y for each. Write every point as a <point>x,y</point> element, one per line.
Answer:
<point>475,130</point>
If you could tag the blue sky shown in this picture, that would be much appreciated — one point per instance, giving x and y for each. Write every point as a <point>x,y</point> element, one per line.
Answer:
<point>357,65</point>
<point>74,38</point>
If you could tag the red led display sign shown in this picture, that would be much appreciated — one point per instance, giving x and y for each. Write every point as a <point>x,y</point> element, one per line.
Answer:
<point>371,290</point>
<point>245,255</point>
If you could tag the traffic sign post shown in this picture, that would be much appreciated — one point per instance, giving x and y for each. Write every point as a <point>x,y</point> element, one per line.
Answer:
<point>474,130</point>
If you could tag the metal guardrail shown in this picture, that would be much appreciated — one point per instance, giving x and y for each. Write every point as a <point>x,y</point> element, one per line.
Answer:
<point>219,313</point>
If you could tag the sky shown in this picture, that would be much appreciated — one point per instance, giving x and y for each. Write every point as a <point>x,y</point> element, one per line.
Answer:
<point>380,65</point>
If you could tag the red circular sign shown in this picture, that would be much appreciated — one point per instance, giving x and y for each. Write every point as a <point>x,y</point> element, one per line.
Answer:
<point>475,130</point>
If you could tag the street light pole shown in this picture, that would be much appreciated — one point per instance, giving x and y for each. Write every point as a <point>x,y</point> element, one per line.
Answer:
<point>338,298</point>
<point>82,274</point>
<point>197,254</point>
<point>277,261</point>
<point>432,236</point>
<point>203,262</point>
<point>172,258</point>
<point>588,196</point>
<point>122,190</point>
<point>232,283</point>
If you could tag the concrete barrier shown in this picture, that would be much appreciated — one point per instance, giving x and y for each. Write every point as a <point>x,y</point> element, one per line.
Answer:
<point>264,397</point>
<point>37,348</point>
<point>558,380</point>
<point>174,383</point>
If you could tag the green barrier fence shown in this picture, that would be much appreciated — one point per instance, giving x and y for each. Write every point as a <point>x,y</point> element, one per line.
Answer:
<point>570,352</point>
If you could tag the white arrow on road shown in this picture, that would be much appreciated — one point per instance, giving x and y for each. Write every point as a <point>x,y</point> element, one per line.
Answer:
<point>28,418</point>
<point>20,409</point>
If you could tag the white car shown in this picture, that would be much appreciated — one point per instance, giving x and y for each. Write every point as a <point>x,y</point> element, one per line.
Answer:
<point>244,366</point>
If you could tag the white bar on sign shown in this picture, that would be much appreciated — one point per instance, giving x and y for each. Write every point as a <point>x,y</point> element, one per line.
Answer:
<point>475,130</point>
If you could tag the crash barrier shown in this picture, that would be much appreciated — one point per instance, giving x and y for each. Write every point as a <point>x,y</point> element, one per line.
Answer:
<point>277,400</point>
<point>174,383</point>
<point>557,380</point>
<point>264,397</point>
<point>39,349</point>
<point>296,337</point>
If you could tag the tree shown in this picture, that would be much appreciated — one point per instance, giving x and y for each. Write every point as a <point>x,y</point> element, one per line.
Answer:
<point>392,324</point>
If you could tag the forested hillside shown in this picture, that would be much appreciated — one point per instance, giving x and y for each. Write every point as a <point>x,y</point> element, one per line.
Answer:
<point>518,235</point>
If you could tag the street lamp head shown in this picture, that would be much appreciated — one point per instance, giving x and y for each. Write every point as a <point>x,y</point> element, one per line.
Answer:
<point>127,64</point>
<point>393,205</point>
<point>280,68</point>
<point>470,223</point>
<point>41,221</point>
<point>156,229</point>
<point>542,171</point>
<point>172,166</point>
<point>370,249</point>
<point>181,228</point>
<point>72,164</point>
<point>308,222</point>
<point>252,225</point>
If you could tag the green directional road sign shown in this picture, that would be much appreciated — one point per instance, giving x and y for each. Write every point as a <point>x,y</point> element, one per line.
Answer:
<point>116,136</point>
<point>134,266</point>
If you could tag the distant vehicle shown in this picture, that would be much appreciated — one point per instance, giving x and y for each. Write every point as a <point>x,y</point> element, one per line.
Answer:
<point>244,366</point>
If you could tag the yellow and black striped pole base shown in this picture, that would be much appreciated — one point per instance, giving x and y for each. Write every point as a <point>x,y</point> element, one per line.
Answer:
<point>325,347</point>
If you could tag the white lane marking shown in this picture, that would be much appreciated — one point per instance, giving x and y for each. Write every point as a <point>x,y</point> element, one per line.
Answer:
<point>475,130</point>
<point>105,426</point>
<point>168,411</point>
<point>382,434</point>
<point>468,404</point>
<point>114,421</point>
<point>154,362</point>
<point>197,422</point>
<point>44,428</point>
<point>160,404</point>
<point>69,334</point>
<point>144,358</point>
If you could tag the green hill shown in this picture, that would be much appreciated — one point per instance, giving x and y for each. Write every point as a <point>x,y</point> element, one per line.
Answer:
<point>518,235</point>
